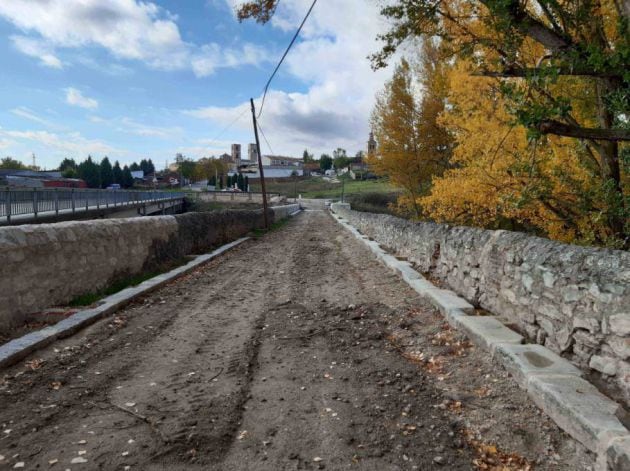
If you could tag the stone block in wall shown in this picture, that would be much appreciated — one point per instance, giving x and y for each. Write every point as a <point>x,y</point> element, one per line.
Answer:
<point>620,324</point>
<point>619,345</point>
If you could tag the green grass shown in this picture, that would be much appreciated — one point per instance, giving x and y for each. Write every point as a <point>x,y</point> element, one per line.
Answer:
<point>119,285</point>
<point>317,187</point>
<point>257,233</point>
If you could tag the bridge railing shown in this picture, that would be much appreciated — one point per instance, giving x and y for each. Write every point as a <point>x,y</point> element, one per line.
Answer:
<point>33,201</point>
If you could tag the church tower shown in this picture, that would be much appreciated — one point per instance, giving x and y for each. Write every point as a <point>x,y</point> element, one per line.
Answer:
<point>371,145</point>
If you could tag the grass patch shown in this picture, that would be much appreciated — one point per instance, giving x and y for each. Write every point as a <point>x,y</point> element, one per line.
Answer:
<point>382,203</point>
<point>119,285</point>
<point>317,187</point>
<point>257,233</point>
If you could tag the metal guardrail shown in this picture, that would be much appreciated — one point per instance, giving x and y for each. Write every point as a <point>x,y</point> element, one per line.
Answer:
<point>33,201</point>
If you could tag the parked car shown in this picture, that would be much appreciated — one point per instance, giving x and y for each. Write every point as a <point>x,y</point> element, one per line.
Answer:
<point>113,186</point>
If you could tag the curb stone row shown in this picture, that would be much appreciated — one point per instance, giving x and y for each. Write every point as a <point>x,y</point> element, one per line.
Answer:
<point>17,349</point>
<point>553,384</point>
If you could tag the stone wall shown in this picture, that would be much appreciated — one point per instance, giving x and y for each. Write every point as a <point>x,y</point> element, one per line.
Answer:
<point>50,264</point>
<point>574,300</point>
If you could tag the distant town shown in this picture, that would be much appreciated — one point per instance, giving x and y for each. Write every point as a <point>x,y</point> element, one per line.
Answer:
<point>226,172</point>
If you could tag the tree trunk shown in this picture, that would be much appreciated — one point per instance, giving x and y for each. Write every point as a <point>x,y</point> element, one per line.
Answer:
<point>610,166</point>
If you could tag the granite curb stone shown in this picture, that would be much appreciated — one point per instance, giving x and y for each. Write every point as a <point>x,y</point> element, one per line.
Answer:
<point>553,383</point>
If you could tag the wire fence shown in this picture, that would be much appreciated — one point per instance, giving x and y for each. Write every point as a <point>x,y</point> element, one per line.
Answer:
<point>35,201</point>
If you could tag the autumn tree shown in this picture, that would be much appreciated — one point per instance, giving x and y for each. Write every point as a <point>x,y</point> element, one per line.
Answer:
<point>209,168</point>
<point>413,146</point>
<point>538,52</point>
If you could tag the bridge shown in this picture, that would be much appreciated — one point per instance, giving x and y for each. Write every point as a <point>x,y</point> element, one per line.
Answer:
<point>36,205</point>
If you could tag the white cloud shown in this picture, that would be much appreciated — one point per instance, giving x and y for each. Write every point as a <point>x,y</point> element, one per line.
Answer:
<point>140,129</point>
<point>74,97</point>
<point>6,143</point>
<point>213,56</point>
<point>73,143</point>
<point>128,29</point>
<point>331,58</point>
<point>26,113</point>
<point>37,48</point>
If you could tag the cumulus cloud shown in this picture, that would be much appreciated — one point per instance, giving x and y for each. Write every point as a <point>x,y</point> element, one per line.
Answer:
<point>75,97</point>
<point>128,29</point>
<point>331,58</point>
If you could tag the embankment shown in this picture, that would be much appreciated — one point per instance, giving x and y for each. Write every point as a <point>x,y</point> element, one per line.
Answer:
<point>50,264</point>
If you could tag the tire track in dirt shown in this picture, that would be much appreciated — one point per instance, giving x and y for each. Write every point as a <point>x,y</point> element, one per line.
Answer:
<point>272,357</point>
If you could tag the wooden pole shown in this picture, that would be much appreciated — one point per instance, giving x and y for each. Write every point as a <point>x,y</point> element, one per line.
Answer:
<point>260,165</point>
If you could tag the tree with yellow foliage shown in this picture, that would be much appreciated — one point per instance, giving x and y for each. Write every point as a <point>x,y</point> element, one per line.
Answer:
<point>539,104</point>
<point>413,147</point>
<point>502,179</point>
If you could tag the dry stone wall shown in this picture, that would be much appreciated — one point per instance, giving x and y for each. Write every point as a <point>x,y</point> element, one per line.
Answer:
<point>50,264</point>
<point>574,300</point>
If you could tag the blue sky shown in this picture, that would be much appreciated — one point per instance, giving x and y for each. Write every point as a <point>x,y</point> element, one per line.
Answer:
<point>134,80</point>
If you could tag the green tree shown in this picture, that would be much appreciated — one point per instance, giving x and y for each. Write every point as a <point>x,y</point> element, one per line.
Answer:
<point>306,157</point>
<point>127,178</point>
<point>67,164</point>
<point>107,173</point>
<point>240,181</point>
<point>185,166</point>
<point>70,173</point>
<point>325,162</point>
<point>10,163</point>
<point>117,173</point>
<point>134,167</point>
<point>90,172</point>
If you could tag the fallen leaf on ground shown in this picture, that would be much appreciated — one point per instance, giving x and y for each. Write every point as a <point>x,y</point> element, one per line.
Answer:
<point>35,364</point>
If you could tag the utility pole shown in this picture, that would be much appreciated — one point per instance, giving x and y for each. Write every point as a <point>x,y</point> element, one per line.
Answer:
<point>260,165</point>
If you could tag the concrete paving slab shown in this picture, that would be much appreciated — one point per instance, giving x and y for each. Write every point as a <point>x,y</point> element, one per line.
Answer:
<point>525,361</point>
<point>577,407</point>
<point>487,332</point>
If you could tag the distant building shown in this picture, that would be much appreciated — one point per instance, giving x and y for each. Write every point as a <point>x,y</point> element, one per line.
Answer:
<point>281,161</point>
<point>236,154</point>
<point>36,179</point>
<point>137,174</point>
<point>252,153</point>
<point>371,145</point>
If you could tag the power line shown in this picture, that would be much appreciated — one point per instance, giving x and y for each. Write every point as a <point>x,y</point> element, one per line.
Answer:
<point>220,133</point>
<point>295,36</point>
<point>265,138</point>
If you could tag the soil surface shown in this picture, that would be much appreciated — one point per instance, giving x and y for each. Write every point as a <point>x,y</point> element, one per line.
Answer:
<point>295,351</point>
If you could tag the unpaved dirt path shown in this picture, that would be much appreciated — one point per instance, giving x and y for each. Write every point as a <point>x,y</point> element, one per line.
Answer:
<point>294,351</point>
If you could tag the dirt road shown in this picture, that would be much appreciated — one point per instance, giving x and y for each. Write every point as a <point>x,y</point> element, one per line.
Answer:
<point>294,351</point>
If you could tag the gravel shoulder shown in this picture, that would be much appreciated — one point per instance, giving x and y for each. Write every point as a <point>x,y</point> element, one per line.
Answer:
<point>294,351</point>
